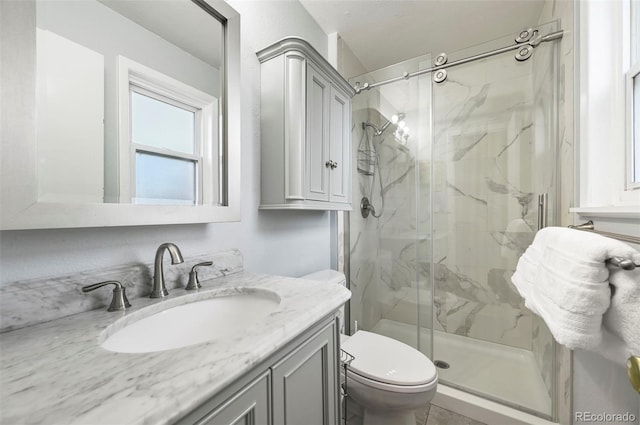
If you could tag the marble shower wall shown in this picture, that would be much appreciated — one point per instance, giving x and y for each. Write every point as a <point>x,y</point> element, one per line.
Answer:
<point>382,249</point>
<point>389,253</point>
<point>489,156</point>
<point>492,128</point>
<point>363,237</point>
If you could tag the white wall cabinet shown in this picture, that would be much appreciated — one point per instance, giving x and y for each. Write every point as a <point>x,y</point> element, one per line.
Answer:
<point>305,130</point>
<point>297,385</point>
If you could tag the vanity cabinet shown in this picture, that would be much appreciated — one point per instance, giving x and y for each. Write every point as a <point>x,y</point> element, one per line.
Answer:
<point>305,383</point>
<point>249,406</point>
<point>296,385</point>
<point>305,130</point>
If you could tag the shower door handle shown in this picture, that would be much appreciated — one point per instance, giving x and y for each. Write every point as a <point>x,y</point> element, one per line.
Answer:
<point>542,210</point>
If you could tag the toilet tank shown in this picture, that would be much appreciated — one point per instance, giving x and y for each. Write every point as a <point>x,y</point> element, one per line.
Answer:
<point>327,276</point>
<point>330,276</point>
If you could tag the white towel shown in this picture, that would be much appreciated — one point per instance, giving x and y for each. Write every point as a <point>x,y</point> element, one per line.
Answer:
<point>528,265</point>
<point>621,336</point>
<point>564,279</point>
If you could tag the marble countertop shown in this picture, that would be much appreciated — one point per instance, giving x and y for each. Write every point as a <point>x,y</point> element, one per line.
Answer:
<point>57,373</point>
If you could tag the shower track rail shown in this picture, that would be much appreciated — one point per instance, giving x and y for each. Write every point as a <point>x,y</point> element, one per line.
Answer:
<point>556,35</point>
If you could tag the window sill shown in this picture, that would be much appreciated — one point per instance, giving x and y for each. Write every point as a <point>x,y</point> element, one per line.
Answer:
<point>626,212</point>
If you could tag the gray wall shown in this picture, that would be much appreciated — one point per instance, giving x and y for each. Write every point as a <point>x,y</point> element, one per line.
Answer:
<point>602,387</point>
<point>287,243</point>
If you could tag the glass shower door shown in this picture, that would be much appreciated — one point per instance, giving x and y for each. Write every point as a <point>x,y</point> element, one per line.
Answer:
<point>493,154</point>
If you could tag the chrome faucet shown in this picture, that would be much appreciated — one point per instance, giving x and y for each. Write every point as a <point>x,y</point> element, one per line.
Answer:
<point>159,290</point>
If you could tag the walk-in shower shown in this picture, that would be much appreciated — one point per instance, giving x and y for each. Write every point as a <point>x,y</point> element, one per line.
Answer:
<point>432,267</point>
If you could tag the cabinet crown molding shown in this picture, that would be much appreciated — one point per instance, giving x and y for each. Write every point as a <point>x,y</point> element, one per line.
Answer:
<point>297,44</point>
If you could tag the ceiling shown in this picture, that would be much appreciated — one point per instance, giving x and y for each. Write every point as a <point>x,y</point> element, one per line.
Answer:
<point>168,21</point>
<point>385,32</point>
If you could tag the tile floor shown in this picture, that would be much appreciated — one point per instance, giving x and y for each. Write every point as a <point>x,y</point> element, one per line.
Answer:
<point>434,415</point>
<point>430,415</point>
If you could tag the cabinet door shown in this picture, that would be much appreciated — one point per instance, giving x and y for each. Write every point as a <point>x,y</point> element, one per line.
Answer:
<point>250,406</point>
<point>305,383</point>
<point>340,147</point>
<point>318,167</point>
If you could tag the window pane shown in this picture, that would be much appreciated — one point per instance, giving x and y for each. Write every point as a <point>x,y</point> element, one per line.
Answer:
<point>636,128</point>
<point>164,180</point>
<point>159,124</point>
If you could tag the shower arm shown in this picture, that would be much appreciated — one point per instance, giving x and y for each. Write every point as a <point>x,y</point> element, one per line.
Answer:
<point>376,130</point>
<point>395,119</point>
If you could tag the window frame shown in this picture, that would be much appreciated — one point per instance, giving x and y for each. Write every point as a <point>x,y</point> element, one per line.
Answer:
<point>141,79</point>
<point>633,72</point>
<point>633,134</point>
<point>600,114</point>
<point>196,157</point>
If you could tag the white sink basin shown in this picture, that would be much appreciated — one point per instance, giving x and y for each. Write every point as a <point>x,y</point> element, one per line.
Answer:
<point>193,323</point>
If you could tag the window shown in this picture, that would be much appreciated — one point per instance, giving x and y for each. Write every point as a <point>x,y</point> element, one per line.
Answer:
<point>167,154</point>
<point>633,99</point>
<point>603,117</point>
<point>164,146</point>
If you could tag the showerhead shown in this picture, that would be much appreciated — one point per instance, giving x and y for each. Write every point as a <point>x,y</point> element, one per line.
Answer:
<point>399,117</point>
<point>395,120</point>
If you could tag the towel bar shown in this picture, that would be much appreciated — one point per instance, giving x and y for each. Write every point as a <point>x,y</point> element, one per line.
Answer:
<point>623,263</point>
<point>589,227</point>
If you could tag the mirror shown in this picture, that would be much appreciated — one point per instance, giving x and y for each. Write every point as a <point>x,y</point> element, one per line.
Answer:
<point>134,112</point>
<point>142,96</point>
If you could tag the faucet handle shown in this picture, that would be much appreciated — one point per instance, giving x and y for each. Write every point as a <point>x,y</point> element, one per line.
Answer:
<point>119,300</point>
<point>193,276</point>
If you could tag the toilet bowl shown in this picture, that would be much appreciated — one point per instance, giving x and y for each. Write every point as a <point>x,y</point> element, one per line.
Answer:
<point>387,379</point>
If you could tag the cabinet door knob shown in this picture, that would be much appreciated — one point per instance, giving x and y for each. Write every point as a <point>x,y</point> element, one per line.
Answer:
<point>334,165</point>
<point>328,164</point>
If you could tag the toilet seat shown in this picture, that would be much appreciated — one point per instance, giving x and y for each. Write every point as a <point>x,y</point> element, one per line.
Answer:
<point>404,389</point>
<point>388,364</point>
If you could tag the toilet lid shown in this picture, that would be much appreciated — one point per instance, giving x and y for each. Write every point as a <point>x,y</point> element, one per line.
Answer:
<point>387,360</point>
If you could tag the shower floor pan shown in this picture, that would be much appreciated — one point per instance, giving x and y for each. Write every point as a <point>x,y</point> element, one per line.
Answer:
<point>499,372</point>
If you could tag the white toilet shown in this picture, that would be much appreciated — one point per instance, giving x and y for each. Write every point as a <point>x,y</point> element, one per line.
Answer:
<point>387,379</point>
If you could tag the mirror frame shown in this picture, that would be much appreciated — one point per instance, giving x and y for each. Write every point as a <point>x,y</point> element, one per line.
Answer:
<point>19,206</point>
